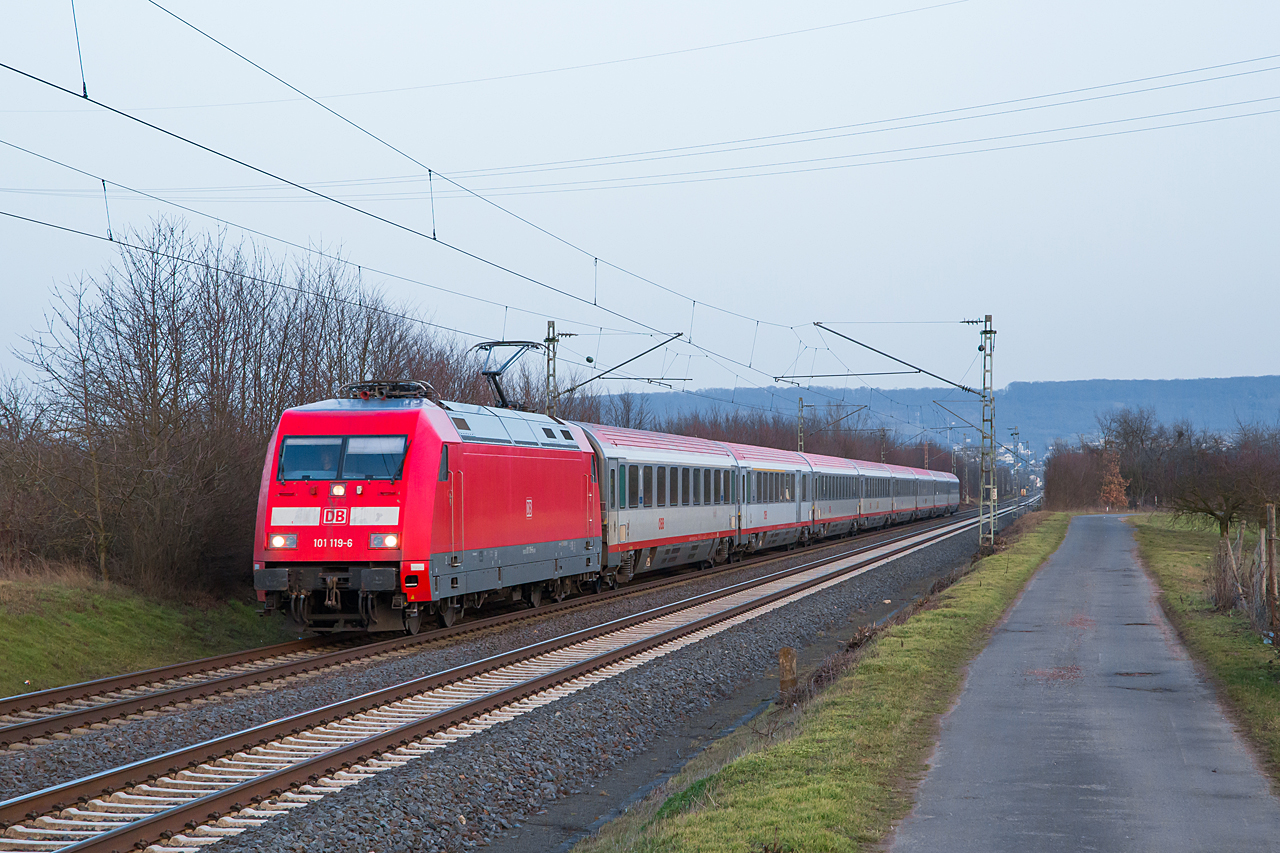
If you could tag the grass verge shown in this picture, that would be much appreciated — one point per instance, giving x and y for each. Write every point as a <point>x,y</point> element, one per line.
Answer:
<point>834,774</point>
<point>1247,671</point>
<point>64,628</point>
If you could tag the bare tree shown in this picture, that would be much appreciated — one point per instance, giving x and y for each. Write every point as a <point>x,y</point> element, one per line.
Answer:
<point>160,381</point>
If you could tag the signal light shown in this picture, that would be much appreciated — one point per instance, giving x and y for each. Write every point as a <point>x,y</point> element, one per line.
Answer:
<point>384,540</point>
<point>338,489</point>
<point>282,541</point>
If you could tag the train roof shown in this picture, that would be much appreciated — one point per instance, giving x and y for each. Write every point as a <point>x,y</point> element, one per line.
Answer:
<point>624,439</point>
<point>767,456</point>
<point>488,425</point>
<point>839,464</point>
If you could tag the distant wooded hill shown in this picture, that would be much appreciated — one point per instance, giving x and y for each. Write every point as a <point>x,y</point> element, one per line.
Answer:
<point>1042,411</point>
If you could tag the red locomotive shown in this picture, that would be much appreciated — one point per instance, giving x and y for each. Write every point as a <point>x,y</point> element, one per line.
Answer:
<point>386,505</point>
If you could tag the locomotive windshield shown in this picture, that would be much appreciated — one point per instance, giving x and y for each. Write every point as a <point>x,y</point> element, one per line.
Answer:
<point>310,458</point>
<point>373,458</point>
<point>378,457</point>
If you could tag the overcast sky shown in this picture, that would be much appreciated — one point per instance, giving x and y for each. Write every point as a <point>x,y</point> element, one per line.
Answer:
<point>909,161</point>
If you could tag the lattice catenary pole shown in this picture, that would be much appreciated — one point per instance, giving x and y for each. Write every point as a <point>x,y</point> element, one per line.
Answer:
<point>987,506</point>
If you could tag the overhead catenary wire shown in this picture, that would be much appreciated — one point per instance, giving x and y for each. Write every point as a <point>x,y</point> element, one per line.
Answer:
<point>266,173</point>
<point>406,228</point>
<point>466,190</point>
<point>594,301</point>
<point>717,174</point>
<point>300,247</point>
<point>564,68</point>
<point>215,268</point>
<point>713,175</point>
<point>788,138</point>
<point>616,159</point>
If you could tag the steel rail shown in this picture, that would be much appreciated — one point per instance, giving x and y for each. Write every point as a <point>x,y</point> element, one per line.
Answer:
<point>69,693</point>
<point>214,805</point>
<point>104,711</point>
<point>57,797</point>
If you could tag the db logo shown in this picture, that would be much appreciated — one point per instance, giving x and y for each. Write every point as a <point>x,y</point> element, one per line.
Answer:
<point>335,516</point>
<point>528,508</point>
<point>662,522</point>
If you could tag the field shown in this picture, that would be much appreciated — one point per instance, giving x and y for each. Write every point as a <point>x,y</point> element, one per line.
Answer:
<point>1246,670</point>
<point>835,773</point>
<point>62,627</point>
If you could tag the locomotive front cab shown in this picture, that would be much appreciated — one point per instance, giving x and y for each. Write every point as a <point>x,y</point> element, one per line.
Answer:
<point>337,546</point>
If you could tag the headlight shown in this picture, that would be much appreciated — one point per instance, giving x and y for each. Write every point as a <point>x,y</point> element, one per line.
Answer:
<point>281,541</point>
<point>384,540</point>
<point>338,489</point>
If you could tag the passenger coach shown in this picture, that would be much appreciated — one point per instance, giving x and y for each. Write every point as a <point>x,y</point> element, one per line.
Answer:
<point>385,505</point>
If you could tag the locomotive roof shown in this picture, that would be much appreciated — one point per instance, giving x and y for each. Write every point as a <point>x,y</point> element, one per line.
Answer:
<point>389,405</point>
<point>477,424</point>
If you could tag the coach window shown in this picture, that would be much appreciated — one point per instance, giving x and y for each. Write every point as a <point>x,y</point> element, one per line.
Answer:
<point>662,485</point>
<point>684,487</point>
<point>733,494</point>
<point>633,486</point>
<point>648,485</point>
<point>715,486</point>
<point>697,486</point>
<point>706,485</point>
<point>613,489</point>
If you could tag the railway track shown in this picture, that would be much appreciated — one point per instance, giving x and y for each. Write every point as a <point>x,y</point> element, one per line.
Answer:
<point>192,797</point>
<point>36,716</point>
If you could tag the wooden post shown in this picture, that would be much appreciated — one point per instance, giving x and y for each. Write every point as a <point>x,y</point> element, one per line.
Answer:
<point>786,671</point>
<point>1271,567</point>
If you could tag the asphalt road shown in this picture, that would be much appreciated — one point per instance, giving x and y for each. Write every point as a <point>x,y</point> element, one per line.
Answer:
<point>1084,726</point>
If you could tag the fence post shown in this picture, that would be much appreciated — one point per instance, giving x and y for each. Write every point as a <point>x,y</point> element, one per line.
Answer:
<point>1271,566</point>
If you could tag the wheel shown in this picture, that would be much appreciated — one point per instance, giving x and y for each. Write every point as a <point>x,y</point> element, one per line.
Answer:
<point>449,615</point>
<point>534,596</point>
<point>412,620</point>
